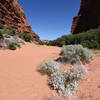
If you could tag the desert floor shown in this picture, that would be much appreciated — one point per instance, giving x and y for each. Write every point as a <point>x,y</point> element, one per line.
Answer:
<point>20,80</point>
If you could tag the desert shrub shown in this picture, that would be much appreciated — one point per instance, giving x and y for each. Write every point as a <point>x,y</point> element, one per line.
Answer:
<point>1,36</point>
<point>64,82</point>
<point>9,38</point>
<point>8,31</point>
<point>12,41</point>
<point>79,71</point>
<point>49,67</point>
<point>53,43</point>
<point>90,35</point>
<point>1,31</point>
<point>12,46</point>
<point>91,44</point>
<point>41,43</point>
<point>26,37</point>
<point>76,53</point>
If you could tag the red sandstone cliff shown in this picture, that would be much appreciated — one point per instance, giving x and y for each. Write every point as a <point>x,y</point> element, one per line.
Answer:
<point>88,16</point>
<point>12,15</point>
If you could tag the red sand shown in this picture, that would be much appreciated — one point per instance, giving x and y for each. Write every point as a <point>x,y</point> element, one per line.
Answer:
<point>19,79</point>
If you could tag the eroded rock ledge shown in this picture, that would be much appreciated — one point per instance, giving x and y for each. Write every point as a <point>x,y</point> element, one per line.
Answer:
<point>12,15</point>
<point>88,16</point>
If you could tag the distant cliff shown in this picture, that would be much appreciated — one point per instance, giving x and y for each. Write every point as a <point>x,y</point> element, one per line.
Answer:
<point>88,16</point>
<point>12,15</point>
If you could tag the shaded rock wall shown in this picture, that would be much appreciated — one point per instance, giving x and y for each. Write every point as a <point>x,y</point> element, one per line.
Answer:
<point>12,15</point>
<point>88,16</point>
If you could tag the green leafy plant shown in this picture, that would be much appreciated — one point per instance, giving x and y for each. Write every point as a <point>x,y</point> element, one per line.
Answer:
<point>41,43</point>
<point>89,37</point>
<point>8,31</point>
<point>26,37</point>
<point>1,36</point>
<point>12,46</point>
<point>91,44</point>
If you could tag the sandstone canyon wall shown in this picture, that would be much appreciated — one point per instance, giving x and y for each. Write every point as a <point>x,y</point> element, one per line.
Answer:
<point>88,16</point>
<point>12,15</point>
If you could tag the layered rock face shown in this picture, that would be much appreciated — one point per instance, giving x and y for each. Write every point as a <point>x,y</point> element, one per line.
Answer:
<point>12,15</point>
<point>88,16</point>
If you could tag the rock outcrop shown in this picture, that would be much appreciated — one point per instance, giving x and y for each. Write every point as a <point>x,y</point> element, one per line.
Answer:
<point>12,15</point>
<point>88,16</point>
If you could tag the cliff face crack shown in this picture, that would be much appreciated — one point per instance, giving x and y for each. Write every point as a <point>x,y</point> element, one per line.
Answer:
<point>88,16</point>
<point>12,15</point>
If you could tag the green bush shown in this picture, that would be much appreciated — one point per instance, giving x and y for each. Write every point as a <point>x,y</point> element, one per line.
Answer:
<point>8,31</point>
<point>41,43</point>
<point>91,44</point>
<point>12,46</point>
<point>1,36</point>
<point>76,53</point>
<point>10,38</point>
<point>92,35</point>
<point>26,37</point>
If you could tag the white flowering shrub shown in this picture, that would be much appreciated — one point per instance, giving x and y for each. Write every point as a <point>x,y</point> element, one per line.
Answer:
<point>49,67</point>
<point>64,82</point>
<point>79,71</point>
<point>75,53</point>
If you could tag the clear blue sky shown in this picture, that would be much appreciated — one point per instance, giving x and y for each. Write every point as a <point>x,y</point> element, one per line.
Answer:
<point>50,19</point>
